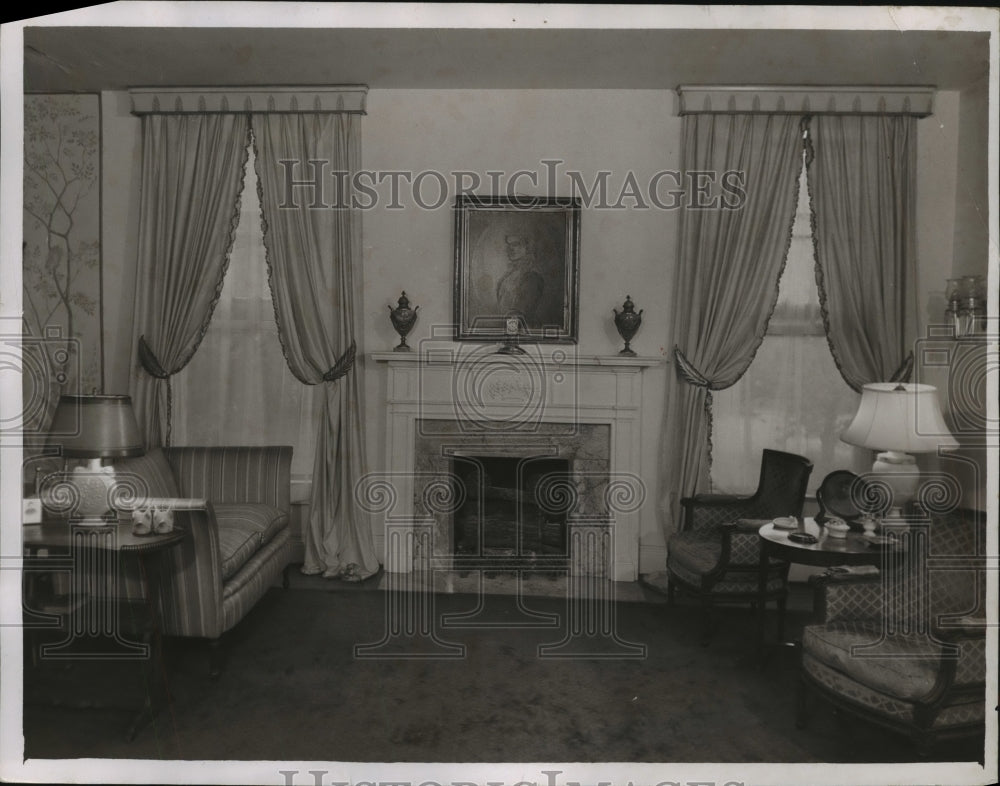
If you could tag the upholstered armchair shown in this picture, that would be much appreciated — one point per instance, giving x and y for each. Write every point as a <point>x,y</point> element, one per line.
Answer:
<point>715,555</point>
<point>906,649</point>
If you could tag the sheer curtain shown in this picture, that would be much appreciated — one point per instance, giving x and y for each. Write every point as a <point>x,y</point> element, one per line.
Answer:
<point>796,399</point>
<point>237,389</point>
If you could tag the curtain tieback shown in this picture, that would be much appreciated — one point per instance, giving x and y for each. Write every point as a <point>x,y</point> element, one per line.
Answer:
<point>344,364</point>
<point>150,363</point>
<point>691,375</point>
<point>152,366</point>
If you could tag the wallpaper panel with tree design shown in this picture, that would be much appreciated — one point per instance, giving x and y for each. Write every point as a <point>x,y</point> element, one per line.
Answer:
<point>62,251</point>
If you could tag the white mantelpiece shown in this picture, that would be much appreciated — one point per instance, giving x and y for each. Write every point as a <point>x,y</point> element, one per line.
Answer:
<point>505,397</point>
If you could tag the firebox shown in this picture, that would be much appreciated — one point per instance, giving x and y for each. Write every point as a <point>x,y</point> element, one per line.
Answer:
<point>512,514</point>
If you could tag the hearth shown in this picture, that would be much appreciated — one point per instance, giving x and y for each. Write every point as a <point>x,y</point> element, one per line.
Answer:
<point>507,517</point>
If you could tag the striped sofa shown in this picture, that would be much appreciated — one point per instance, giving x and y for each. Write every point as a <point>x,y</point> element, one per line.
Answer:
<point>239,532</point>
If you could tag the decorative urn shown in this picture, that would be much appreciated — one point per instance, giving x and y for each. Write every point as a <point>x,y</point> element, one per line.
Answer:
<point>403,318</point>
<point>627,321</point>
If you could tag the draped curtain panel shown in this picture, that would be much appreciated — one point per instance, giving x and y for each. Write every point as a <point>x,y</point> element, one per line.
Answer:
<point>192,177</point>
<point>731,257</point>
<point>313,245</point>
<point>861,172</point>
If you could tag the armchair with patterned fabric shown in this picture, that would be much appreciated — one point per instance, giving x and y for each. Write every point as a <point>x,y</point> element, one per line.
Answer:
<point>907,649</point>
<point>715,555</point>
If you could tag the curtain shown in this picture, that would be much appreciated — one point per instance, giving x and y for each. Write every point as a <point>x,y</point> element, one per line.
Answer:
<point>313,257</point>
<point>861,183</point>
<point>791,397</point>
<point>192,175</point>
<point>237,389</point>
<point>727,281</point>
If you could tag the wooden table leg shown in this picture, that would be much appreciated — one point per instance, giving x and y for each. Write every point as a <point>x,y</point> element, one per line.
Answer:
<point>762,597</point>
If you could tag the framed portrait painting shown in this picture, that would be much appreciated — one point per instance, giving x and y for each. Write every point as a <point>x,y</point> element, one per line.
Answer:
<point>517,264</point>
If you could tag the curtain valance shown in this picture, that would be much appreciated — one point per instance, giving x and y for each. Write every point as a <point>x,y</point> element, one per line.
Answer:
<point>236,100</point>
<point>915,101</point>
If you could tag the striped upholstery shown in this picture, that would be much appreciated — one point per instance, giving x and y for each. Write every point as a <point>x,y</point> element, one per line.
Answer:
<point>210,588</point>
<point>150,475</point>
<point>234,474</point>
<point>243,529</point>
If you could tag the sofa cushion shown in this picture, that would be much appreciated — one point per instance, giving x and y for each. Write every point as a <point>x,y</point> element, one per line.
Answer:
<point>243,528</point>
<point>151,473</point>
<point>898,665</point>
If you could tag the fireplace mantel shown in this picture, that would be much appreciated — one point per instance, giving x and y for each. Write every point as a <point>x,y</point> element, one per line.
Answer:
<point>637,362</point>
<point>499,397</point>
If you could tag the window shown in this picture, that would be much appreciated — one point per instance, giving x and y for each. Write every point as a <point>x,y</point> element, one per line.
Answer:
<point>237,390</point>
<point>792,396</point>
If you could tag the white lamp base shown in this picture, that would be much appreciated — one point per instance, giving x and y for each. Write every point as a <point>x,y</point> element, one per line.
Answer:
<point>93,485</point>
<point>900,473</point>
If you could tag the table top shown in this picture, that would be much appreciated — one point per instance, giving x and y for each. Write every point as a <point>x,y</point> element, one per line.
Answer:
<point>60,533</point>
<point>855,549</point>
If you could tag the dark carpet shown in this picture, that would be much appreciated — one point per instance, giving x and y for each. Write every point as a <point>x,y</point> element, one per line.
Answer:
<point>293,690</point>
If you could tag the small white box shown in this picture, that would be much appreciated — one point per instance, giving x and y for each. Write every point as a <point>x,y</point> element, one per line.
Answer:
<point>31,510</point>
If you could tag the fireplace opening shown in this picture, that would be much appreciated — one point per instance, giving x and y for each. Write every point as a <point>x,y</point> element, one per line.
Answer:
<point>510,517</point>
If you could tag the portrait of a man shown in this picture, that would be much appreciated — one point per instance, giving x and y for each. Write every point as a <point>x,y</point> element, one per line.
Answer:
<point>515,261</point>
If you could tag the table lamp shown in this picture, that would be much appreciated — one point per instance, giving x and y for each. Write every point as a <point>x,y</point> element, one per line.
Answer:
<point>899,419</point>
<point>94,427</point>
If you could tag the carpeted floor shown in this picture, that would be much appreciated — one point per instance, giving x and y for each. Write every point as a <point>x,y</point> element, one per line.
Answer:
<point>293,690</point>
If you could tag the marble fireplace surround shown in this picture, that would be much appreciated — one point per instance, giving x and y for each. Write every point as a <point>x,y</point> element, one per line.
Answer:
<point>584,446</point>
<point>468,399</point>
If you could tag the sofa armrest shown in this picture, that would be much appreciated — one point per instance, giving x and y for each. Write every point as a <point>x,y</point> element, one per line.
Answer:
<point>235,474</point>
<point>848,596</point>
<point>191,592</point>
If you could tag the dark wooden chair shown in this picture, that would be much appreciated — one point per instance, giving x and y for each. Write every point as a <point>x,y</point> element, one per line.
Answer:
<point>715,555</point>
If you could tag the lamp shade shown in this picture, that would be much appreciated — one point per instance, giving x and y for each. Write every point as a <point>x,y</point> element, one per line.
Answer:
<point>899,417</point>
<point>96,427</point>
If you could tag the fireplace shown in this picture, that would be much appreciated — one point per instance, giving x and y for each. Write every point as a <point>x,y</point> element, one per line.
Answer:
<point>448,406</point>
<point>507,518</point>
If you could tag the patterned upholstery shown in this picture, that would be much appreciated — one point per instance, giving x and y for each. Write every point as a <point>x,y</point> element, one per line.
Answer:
<point>902,665</point>
<point>716,552</point>
<point>908,648</point>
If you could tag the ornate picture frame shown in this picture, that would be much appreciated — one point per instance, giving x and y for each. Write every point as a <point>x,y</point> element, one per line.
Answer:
<point>517,268</point>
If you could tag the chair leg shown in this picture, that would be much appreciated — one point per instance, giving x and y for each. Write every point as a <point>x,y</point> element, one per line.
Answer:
<point>285,581</point>
<point>215,658</point>
<point>782,604</point>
